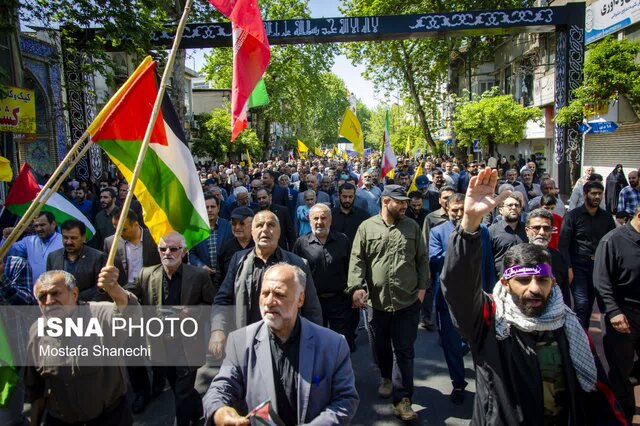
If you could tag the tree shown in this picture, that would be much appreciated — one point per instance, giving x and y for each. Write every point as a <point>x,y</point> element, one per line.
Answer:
<point>418,69</point>
<point>610,70</point>
<point>215,137</point>
<point>493,119</point>
<point>400,128</point>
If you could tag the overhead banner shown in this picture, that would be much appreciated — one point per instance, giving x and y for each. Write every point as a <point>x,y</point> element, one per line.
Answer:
<point>18,111</point>
<point>604,17</point>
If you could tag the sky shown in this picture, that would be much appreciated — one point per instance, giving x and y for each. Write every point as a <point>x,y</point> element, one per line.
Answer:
<point>351,75</point>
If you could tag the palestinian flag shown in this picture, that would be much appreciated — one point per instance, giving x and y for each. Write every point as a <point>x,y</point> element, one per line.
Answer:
<point>168,186</point>
<point>263,415</point>
<point>26,188</point>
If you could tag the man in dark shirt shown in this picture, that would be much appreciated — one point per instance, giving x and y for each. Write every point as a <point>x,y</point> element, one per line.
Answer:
<point>616,277</point>
<point>286,359</point>
<point>328,255</point>
<point>241,218</point>
<point>102,222</point>
<point>507,232</point>
<point>539,231</point>
<point>415,210</point>
<point>346,217</point>
<point>582,229</point>
<point>288,232</point>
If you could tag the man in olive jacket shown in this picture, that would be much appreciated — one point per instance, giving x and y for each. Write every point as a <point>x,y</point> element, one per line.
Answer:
<point>389,267</point>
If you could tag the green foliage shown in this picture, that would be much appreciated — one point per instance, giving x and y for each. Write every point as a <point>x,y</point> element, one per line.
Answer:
<point>215,137</point>
<point>417,70</point>
<point>610,70</point>
<point>492,119</point>
<point>304,94</point>
<point>400,129</point>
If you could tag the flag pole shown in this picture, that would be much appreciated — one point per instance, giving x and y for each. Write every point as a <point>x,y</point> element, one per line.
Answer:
<point>52,186</point>
<point>147,136</point>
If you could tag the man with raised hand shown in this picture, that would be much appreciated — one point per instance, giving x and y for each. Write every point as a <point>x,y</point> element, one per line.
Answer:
<point>533,361</point>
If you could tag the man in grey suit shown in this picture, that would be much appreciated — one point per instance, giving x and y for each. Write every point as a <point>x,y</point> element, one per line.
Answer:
<point>237,298</point>
<point>81,261</point>
<point>304,369</point>
<point>173,283</point>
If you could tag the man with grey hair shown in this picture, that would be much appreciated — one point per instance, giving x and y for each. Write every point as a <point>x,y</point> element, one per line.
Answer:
<point>236,304</point>
<point>528,189</point>
<point>312,183</point>
<point>328,254</point>
<point>304,369</point>
<point>54,388</point>
<point>548,186</point>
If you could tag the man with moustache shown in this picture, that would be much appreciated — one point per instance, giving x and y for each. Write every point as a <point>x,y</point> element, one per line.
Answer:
<point>312,183</point>
<point>238,296</point>
<point>288,232</point>
<point>507,232</point>
<point>529,189</point>
<point>582,229</point>
<point>629,197</point>
<point>539,228</point>
<point>533,361</point>
<point>388,266</point>
<point>241,219</point>
<point>415,210</point>
<point>452,344</point>
<point>81,261</point>
<point>304,370</point>
<point>328,252</point>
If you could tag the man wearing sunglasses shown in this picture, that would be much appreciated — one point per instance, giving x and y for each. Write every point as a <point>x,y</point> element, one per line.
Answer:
<point>169,284</point>
<point>540,230</point>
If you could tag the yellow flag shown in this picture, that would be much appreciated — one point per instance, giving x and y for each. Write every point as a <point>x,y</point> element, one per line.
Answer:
<point>407,148</point>
<point>391,174</point>
<point>351,131</point>
<point>302,147</point>
<point>317,151</point>
<point>249,160</point>
<point>345,157</point>
<point>6,174</point>
<point>413,186</point>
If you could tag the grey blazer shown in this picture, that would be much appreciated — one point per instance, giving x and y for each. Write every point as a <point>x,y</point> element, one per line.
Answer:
<point>233,297</point>
<point>326,385</point>
<point>86,272</point>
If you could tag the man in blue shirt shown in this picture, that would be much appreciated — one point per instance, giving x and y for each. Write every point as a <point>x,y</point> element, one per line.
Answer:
<point>36,248</point>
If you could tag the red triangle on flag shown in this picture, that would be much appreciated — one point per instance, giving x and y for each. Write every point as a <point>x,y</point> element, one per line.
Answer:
<point>25,189</point>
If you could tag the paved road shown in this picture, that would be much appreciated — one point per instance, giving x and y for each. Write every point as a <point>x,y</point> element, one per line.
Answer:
<point>431,397</point>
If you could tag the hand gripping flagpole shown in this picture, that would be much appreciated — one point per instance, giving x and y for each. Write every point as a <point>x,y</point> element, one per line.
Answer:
<point>47,191</point>
<point>147,136</point>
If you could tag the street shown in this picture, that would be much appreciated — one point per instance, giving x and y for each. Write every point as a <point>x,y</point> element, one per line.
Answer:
<point>431,396</point>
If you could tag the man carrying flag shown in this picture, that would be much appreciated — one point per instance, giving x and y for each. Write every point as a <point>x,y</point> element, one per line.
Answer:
<point>251,55</point>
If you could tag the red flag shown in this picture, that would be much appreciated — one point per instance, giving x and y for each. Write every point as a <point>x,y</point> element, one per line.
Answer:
<point>251,55</point>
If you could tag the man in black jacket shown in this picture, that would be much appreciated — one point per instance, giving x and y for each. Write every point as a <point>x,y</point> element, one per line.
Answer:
<point>534,365</point>
<point>288,234</point>
<point>616,276</point>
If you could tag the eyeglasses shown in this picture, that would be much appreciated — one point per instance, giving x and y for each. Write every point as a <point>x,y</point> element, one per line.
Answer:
<point>171,249</point>
<point>545,228</point>
<point>511,206</point>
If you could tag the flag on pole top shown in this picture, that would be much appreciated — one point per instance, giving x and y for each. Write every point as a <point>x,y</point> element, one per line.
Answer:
<point>419,172</point>
<point>249,160</point>
<point>168,187</point>
<point>251,55</point>
<point>26,188</point>
<point>350,130</point>
<point>389,159</point>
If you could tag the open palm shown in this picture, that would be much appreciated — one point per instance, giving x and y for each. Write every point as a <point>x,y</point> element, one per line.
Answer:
<point>480,198</point>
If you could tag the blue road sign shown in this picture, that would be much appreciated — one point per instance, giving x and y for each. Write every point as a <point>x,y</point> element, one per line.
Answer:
<point>598,127</point>
<point>476,145</point>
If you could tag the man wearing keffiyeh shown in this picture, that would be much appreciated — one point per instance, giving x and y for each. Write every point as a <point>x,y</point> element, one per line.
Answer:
<point>534,363</point>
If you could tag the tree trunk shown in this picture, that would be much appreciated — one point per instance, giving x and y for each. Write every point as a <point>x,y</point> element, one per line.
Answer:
<point>408,73</point>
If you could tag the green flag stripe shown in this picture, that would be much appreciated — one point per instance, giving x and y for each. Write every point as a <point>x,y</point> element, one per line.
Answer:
<point>60,215</point>
<point>164,187</point>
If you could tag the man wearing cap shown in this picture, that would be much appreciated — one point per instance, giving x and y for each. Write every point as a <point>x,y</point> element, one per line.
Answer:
<point>429,198</point>
<point>389,269</point>
<point>241,218</point>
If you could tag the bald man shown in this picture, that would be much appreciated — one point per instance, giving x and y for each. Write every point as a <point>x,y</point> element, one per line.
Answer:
<point>328,254</point>
<point>304,369</point>
<point>238,295</point>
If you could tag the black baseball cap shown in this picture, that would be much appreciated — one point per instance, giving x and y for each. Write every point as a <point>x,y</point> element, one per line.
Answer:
<point>241,213</point>
<point>396,192</point>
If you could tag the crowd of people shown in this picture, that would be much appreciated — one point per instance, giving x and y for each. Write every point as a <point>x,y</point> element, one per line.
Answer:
<point>301,252</point>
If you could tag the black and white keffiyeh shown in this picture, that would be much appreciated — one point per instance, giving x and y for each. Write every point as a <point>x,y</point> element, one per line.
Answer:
<point>556,315</point>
